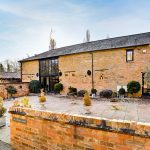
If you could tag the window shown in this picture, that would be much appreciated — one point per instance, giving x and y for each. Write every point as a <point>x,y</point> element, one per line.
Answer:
<point>129,55</point>
<point>49,67</point>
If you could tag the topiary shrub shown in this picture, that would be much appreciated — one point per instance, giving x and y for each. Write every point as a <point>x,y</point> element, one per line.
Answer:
<point>34,86</point>
<point>11,90</point>
<point>72,91</point>
<point>58,87</point>
<point>93,91</point>
<point>133,87</point>
<point>122,91</point>
<point>42,99</point>
<point>81,93</point>
<point>86,99</point>
<point>106,93</point>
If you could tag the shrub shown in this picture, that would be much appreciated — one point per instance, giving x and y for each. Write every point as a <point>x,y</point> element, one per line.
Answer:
<point>114,94</point>
<point>58,87</point>
<point>42,99</point>
<point>25,102</point>
<point>122,91</point>
<point>86,99</point>
<point>72,90</point>
<point>81,93</point>
<point>106,93</point>
<point>11,90</point>
<point>93,91</point>
<point>2,109</point>
<point>34,86</point>
<point>133,87</point>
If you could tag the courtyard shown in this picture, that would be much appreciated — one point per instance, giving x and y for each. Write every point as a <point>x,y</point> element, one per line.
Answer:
<point>131,110</point>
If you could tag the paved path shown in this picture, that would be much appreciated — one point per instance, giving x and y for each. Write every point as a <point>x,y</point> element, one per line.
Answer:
<point>133,111</point>
<point>5,131</point>
<point>4,146</point>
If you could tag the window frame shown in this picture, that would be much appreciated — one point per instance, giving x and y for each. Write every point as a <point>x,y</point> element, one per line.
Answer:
<point>129,50</point>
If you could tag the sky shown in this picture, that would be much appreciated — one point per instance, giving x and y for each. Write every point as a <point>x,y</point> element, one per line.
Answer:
<point>25,25</point>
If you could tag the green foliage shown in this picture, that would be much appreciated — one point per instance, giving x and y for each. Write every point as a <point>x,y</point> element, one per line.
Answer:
<point>25,102</point>
<point>1,68</point>
<point>86,99</point>
<point>72,90</point>
<point>2,109</point>
<point>114,94</point>
<point>81,93</point>
<point>93,91</point>
<point>34,86</point>
<point>11,90</point>
<point>58,87</point>
<point>122,91</point>
<point>133,87</point>
<point>106,93</point>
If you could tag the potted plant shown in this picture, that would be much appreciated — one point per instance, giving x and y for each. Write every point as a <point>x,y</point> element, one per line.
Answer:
<point>58,87</point>
<point>122,92</point>
<point>133,87</point>
<point>87,103</point>
<point>2,112</point>
<point>42,99</point>
<point>11,90</point>
<point>93,92</point>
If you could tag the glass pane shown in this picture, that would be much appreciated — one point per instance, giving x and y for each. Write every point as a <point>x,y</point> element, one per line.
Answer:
<point>130,55</point>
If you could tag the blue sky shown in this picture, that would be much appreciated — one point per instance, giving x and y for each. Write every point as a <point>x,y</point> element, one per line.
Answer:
<point>25,25</point>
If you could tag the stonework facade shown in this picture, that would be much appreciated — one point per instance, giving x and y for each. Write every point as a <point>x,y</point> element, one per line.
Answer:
<point>30,71</point>
<point>110,68</point>
<point>22,89</point>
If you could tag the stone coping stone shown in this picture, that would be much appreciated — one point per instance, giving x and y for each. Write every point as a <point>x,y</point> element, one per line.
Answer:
<point>134,128</point>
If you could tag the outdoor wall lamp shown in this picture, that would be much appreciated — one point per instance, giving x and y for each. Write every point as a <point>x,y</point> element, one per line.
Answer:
<point>60,73</point>
<point>89,72</point>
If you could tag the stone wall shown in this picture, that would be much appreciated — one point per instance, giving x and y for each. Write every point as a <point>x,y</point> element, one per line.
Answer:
<point>110,68</point>
<point>32,129</point>
<point>22,89</point>
<point>30,71</point>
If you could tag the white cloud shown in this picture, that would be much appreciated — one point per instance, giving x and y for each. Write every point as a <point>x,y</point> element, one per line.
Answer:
<point>28,31</point>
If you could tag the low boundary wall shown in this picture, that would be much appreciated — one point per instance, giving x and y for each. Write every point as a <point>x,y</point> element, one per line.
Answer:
<point>45,130</point>
<point>22,89</point>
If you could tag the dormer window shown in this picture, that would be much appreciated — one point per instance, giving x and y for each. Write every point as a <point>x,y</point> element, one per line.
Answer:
<point>129,55</point>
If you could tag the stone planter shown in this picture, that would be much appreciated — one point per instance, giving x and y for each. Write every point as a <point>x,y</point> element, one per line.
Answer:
<point>87,109</point>
<point>93,95</point>
<point>2,121</point>
<point>43,107</point>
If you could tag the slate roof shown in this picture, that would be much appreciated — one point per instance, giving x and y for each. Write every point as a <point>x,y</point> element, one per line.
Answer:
<point>10,75</point>
<point>105,44</point>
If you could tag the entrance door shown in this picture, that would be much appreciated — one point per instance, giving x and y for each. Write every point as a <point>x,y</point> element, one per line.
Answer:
<point>52,81</point>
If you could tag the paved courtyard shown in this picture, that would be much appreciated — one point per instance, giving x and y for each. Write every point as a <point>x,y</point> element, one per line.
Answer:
<point>133,111</point>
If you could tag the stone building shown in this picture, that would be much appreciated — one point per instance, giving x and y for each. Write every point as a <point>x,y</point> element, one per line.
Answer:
<point>10,77</point>
<point>103,64</point>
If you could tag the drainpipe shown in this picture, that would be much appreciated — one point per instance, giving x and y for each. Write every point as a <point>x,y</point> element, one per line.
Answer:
<point>92,65</point>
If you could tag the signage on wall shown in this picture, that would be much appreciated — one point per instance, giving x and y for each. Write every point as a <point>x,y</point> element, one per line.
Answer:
<point>23,121</point>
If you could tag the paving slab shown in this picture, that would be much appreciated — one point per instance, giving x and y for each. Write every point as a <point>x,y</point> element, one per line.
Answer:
<point>131,111</point>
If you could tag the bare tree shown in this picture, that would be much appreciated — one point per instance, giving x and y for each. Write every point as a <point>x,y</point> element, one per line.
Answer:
<point>11,65</point>
<point>87,36</point>
<point>52,42</point>
<point>2,69</point>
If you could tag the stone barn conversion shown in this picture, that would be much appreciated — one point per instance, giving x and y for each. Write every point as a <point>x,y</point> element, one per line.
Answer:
<point>103,64</point>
